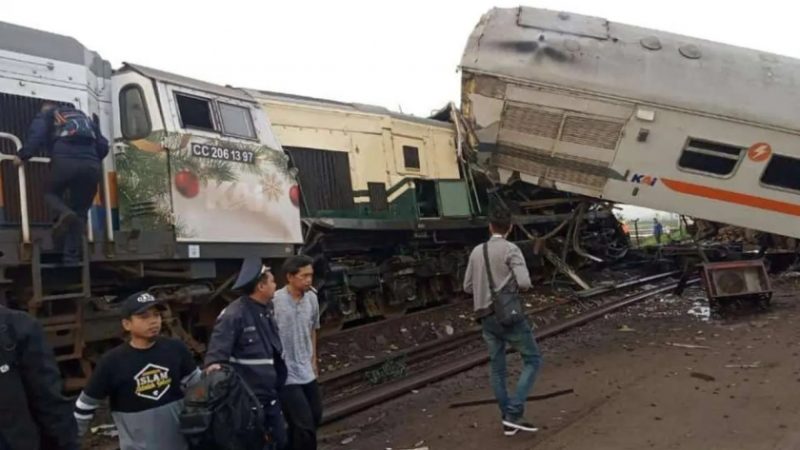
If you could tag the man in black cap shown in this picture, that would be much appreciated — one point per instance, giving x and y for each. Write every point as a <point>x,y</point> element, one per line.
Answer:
<point>144,380</point>
<point>246,337</point>
<point>33,413</point>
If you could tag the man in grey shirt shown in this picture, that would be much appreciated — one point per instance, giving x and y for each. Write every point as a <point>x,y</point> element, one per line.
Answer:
<point>297,315</point>
<point>507,267</point>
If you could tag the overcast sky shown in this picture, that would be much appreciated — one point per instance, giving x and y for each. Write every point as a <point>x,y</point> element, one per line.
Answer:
<point>390,53</point>
<point>397,54</point>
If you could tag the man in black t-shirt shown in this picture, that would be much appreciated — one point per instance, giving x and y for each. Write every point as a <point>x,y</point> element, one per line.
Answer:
<point>144,380</point>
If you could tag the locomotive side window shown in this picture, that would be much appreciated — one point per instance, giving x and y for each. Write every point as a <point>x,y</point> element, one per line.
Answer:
<point>195,112</point>
<point>411,157</point>
<point>710,157</point>
<point>133,113</point>
<point>782,172</point>
<point>236,121</point>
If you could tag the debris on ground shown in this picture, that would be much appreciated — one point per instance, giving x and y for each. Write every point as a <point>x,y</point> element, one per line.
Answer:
<point>702,376</point>
<point>754,365</point>
<point>689,346</point>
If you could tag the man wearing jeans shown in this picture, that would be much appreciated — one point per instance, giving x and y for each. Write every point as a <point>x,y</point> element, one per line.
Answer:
<point>508,265</point>
<point>297,314</point>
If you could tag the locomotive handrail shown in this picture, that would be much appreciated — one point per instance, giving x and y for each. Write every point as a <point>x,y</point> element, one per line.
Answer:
<point>23,186</point>
<point>23,189</point>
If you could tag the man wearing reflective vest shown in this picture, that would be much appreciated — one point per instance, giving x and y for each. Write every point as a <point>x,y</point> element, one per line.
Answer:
<point>246,337</point>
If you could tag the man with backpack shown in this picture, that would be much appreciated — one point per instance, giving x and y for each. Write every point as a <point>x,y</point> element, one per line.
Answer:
<point>143,379</point>
<point>246,338</point>
<point>496,271</point>
<point>33,413</point>
<point>76,148</point>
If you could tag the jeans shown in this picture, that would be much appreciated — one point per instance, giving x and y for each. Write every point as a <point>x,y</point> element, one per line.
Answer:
<point>79,178</point>
<point>520,338</point>
<point>303,409</point>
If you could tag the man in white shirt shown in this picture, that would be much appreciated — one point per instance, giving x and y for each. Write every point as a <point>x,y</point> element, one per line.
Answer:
<point>297,315</point>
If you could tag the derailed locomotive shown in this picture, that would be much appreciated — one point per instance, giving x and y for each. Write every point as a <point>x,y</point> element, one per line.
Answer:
<point>202,175</point>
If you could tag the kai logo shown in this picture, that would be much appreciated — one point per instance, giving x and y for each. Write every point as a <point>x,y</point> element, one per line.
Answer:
<point>640,178</point>
<point>152,382</point>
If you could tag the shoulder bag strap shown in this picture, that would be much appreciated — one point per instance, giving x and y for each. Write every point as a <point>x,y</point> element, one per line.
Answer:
<point>488,267</point>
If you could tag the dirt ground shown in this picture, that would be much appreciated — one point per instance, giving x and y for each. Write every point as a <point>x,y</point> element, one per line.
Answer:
<point>738,388</point>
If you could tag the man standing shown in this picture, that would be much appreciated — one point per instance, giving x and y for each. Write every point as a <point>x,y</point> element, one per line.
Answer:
<point>246,337</point>
<point>506,264</point>
<point>76,147</point>
<point>144,380</point>
<point>297,314</point>
<point>658,230</point>
<point>33,413</point>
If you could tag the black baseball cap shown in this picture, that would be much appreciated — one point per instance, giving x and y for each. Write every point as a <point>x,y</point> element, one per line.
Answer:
<point>139,303</point>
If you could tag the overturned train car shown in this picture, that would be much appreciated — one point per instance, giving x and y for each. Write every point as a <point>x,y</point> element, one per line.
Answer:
<point>637,116</point>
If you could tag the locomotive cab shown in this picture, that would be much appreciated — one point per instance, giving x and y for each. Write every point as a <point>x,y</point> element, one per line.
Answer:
<point>200,161</point>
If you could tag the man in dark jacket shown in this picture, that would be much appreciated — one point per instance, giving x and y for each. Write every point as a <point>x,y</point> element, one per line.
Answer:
<point>76,148</point>
<point>246,337</point>
<point>33,413</point>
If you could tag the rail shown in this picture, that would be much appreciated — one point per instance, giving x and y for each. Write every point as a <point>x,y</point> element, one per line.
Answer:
<point>23,195</point>
<point>356,402</point>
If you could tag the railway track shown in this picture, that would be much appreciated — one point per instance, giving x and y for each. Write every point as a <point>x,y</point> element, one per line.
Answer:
<point>367,384</point>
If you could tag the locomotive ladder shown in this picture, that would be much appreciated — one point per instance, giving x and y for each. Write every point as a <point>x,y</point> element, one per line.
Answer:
<point>59,291</point>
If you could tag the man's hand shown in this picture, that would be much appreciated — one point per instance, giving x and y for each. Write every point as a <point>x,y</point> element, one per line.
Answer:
<point>213,368</point>
<point>316,367</point>
<point>18,162</point>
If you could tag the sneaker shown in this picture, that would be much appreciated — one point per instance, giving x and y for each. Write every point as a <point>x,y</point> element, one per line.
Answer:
<point>520,424</point>
<point>509,431</point>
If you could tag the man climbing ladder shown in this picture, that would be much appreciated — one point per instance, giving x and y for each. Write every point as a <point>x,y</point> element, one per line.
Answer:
<point>76,148</point>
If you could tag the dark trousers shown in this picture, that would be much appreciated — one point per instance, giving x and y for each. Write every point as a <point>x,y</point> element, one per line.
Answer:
<point>72,187</point>
<point>274,425</point>
<point>303,409</point>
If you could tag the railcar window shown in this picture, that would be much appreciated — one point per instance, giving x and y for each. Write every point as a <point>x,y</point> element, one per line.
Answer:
<point>195,112</point>
<point>411,157</point>
<point>134,117</point>
<point>710,157</point>
<point>236,120</point>
<point>782,172</point>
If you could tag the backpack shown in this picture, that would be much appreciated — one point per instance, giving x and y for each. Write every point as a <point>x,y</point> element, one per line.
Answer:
<point>221,412</point>
<point>71,124</point>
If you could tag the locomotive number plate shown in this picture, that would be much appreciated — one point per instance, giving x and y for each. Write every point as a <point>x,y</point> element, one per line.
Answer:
<point>223,153</point>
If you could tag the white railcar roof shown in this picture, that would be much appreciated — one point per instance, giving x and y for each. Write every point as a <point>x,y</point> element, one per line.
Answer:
<point>638,64</point>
